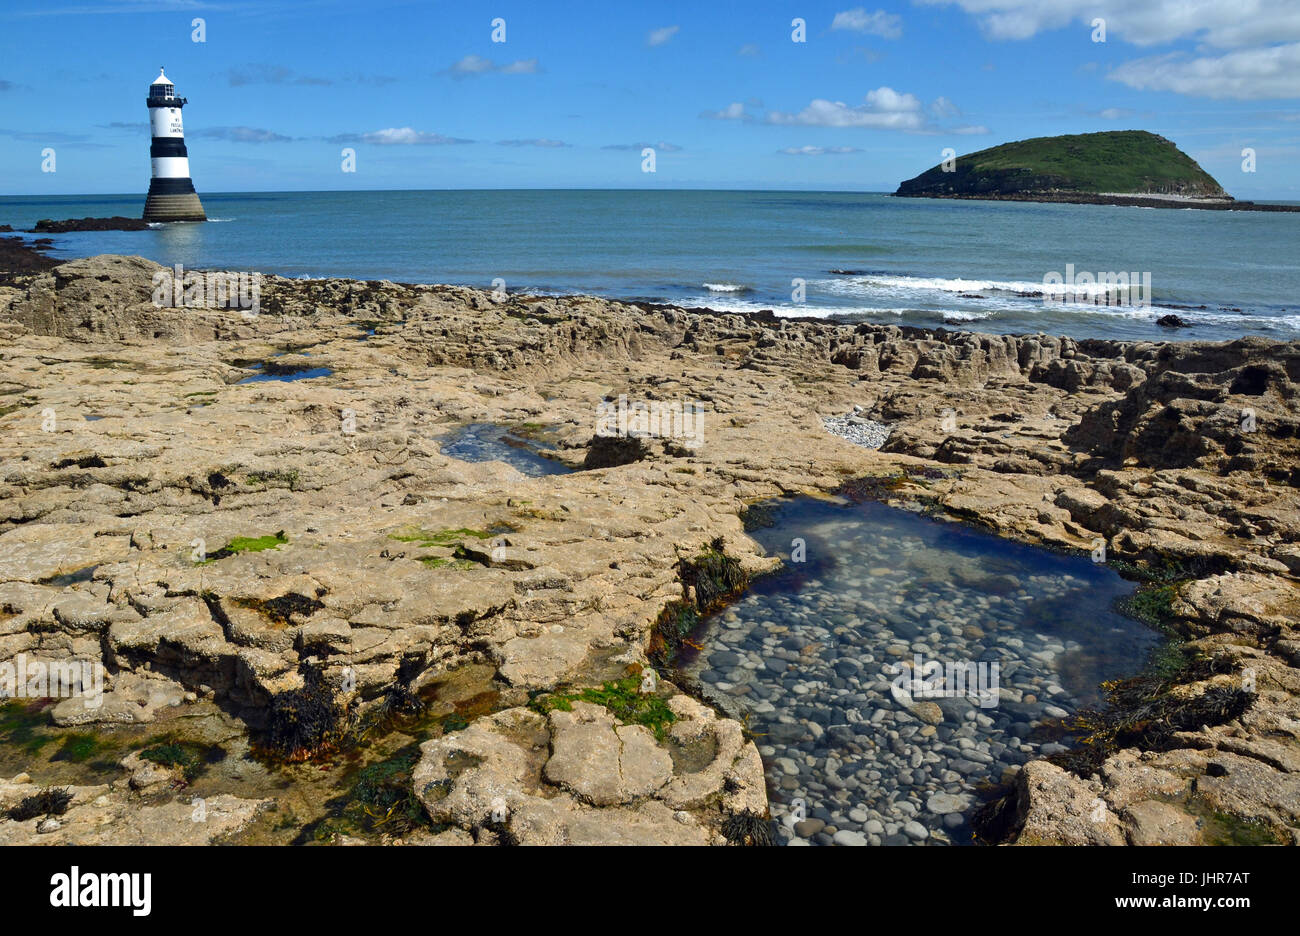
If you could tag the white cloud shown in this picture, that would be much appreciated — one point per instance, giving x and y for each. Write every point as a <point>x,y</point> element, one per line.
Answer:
<point>885,109</point>
<point>521,67</point>
<point>749,49</point>
<point>1220,23</point>
<point>1244,74</point>
<point>540,141</point>
<point>242,134</point>
<point>942,107</point>
<point>1247,49</point>
<point>398,136</point>
<point>1114,113</point>
<point>818,150</point>
<point>660,147</point>
<point>733,111</point>
<point>879,23</point>
<point>970,130</point>
<point>660,36</point>
<point>472,65</point>
<point>887,99</point>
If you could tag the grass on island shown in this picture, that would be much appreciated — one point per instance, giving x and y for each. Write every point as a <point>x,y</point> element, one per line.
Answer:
<point>1122,161</point>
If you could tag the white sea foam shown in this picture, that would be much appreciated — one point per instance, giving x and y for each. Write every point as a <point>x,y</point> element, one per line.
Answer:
<point>725,287</point>
<point>809,310</point>
<point>879,283</point>
<point>992,308</point>
<point>1018,294</point>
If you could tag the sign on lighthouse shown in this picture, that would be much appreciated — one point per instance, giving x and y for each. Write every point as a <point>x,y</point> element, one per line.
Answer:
<point>171,193</point>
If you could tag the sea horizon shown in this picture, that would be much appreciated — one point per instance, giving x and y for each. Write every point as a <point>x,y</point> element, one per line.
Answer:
<point>846,256</point>
<point>552,188</point>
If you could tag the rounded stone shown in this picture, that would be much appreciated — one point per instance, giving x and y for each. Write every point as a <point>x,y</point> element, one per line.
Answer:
<point>914,830</point>
<point>808,827</point>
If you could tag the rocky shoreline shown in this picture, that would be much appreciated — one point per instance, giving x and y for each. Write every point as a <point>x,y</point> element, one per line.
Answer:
<point>18,256</point>
<point>386,566</point>
<point>1123,201</point>
<point>67,225</point>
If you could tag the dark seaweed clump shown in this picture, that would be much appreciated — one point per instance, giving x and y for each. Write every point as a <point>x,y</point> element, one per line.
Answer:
<point>52,801</point>
<point>401,701</point>
<point>1142,712</point>
<point>712,578</point>
<point>308,721</point>
<point>747,828</point>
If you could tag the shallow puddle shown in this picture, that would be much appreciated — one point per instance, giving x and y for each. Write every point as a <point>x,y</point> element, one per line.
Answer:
<point>821,656</point>
<point>480,442</point>
<point>313,801</point>
<point>288,376</point>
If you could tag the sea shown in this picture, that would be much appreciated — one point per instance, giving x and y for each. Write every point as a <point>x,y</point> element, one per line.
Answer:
<point>843,256</point>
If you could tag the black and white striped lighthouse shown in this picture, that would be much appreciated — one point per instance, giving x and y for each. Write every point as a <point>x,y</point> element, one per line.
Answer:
<point>171,193</point>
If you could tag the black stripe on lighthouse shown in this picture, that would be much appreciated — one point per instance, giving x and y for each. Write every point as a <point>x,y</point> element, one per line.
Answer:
<point>164,186</point>
<point>167,146</point>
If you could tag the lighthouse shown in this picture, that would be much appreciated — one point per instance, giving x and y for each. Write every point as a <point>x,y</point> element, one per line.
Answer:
<point>171,193</point>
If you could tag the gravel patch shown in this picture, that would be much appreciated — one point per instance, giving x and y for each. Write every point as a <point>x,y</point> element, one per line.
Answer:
<point>855,428</point>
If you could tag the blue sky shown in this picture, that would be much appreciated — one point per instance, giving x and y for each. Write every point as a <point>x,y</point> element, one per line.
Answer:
<point>427,100</point>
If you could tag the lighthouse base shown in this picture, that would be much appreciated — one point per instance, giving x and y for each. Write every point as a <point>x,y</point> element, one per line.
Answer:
<point>173,200</point>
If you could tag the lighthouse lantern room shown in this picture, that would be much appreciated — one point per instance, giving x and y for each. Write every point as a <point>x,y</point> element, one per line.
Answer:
<point>171,192</point>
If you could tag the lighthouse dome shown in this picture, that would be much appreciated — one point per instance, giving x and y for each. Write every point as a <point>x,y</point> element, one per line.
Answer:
<point>162,87</point>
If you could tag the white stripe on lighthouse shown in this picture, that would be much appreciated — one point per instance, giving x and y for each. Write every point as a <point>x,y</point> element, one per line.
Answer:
<point>166,122</point>
<point>171,167</point>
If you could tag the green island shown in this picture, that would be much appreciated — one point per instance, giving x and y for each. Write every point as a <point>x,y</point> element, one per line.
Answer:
<point>1121,167</point>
